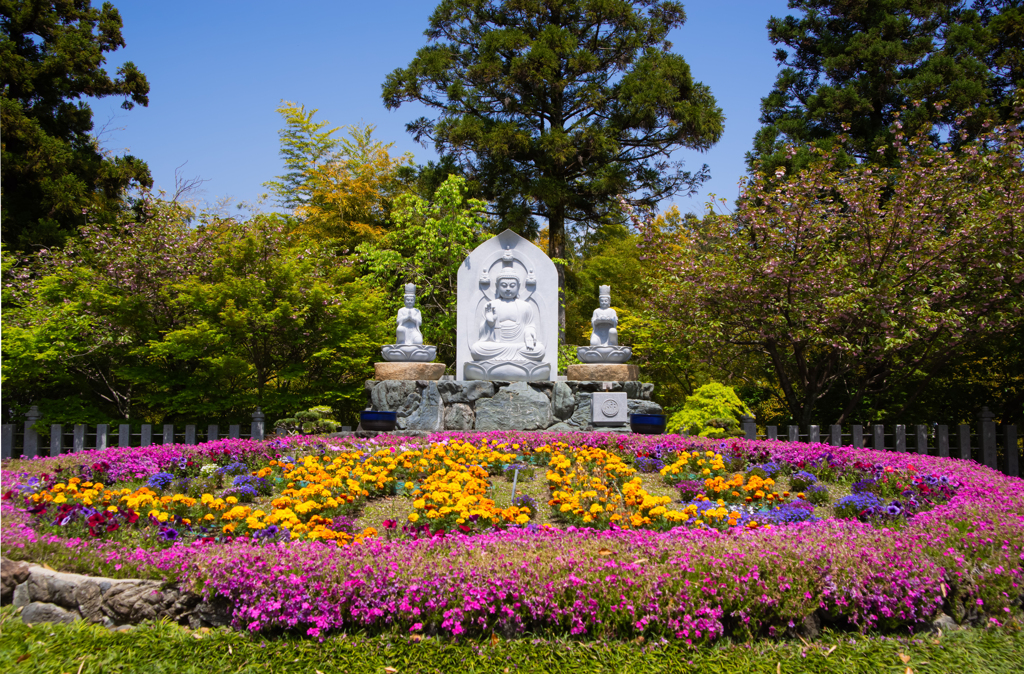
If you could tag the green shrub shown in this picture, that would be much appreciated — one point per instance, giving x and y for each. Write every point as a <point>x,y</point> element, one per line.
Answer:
<point>713,411</point>
<point>314,421</point>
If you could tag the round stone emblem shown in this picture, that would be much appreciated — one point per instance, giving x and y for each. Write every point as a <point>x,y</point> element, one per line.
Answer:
<point>609,408</point>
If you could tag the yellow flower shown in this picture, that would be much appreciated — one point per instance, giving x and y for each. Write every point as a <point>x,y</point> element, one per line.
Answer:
<point>413,517</point>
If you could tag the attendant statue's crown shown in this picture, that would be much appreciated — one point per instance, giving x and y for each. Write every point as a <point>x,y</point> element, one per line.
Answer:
<point>509,273</point>
<point>604,291</point>
<point>410,289</point>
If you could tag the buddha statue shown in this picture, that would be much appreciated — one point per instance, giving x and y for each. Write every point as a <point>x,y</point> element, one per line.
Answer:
<point>508,347</point>
<point>408,346</point>
<point>604,340</point>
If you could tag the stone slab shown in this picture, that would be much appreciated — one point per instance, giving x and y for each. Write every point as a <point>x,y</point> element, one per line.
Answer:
<point>609,409</point>
<point>408,371</point>
<point>603,372</point>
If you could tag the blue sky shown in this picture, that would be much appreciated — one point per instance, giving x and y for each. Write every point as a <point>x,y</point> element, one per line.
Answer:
<point>218,69</point>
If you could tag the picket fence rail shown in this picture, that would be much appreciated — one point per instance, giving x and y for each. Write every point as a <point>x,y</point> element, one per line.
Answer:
<point>27,443</point>
<point>991,445</point>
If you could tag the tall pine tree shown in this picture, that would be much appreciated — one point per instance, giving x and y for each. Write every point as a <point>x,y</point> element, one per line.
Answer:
<point>54,172</point>
<point>559,109</point>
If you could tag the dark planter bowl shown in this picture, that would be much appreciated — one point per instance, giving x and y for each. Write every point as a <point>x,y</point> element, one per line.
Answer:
<point>647,424</point>
<point>378,421</point>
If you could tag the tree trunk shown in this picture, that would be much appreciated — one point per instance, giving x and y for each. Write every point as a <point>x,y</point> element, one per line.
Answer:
<point>556,250</point>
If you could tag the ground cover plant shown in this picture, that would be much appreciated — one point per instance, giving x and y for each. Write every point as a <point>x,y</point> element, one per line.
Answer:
<point>607,536</point>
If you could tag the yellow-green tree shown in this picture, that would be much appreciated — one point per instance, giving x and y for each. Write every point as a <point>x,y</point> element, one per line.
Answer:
<point>340,188</point>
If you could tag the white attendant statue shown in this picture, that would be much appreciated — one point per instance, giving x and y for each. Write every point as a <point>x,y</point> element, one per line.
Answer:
<point>409,319</point>
<point>604,340</point>
<point>409,346</point>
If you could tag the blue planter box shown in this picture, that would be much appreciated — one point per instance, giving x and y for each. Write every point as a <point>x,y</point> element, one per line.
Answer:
<point>378,421</point>
<point>647,424</point>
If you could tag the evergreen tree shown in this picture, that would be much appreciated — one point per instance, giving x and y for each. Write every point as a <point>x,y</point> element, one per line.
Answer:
<point>54,172</point>
<point>559,108</point>
<point>851,67</point>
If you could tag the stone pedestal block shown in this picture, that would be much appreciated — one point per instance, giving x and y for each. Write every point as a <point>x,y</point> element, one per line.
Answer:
<point>408,371</point>
<point>603,372</point>
<point>424,406</point>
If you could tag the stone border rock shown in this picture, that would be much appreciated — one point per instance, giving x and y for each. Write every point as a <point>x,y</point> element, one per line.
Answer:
<point>451,405</point>
<point>45,595</point>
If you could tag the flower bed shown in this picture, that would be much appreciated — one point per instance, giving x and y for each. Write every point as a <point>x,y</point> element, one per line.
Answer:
<point>268,528</point>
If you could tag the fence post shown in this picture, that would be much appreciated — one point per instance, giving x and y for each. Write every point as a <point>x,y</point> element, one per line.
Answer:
<point>78,444</point>
<point>235,431</point>
<point>146,435</point>
<point>190,434</point>
<point>922,439</point>
<point>942,439</point>
<point>31,436</point>
<point>101,435</point>
<point>836,435</point>
<point>987,433</point>
<point>56,439</point>
<point>212,433</point>
<point>878,441</point>
<point>901,438</point>
<point>747,423</point>
<point>168,433</point>
<point>257,424</point>
<point>794,434</point>
<point>7,442</point>
<point>124,435</point>
<point>965,442</point>
<point>813,435</point>
<point>1012,453</point>
<point>857,431</point>
<point>772,432</point>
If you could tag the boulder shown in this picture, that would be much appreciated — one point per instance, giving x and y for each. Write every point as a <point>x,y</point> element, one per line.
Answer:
<point>429,415</point>
<point>42,612</point>
<point>459,417</point>
<point>643,407</point>
<point>467,392</point>
<point>12,574</point>
<point>388,396</point>
<point>562,401</point>
<point>515,407</point>
<point>582,417</point>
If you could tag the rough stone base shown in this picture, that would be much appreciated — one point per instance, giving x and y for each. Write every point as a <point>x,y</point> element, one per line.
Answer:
<point>603,372</point>
<point>422,371</point>
<point>431,406</point>
<point>45,595</point>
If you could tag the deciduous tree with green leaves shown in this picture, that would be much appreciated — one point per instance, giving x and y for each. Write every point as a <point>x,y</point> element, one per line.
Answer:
<point>427,244</point>
<point>54,171</point>
<point>557,108</point>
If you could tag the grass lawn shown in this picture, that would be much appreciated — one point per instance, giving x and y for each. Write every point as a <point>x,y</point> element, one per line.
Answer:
<point>162,647</point>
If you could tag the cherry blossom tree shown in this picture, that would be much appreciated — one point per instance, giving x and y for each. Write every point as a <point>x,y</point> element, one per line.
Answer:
<point>861,276</point>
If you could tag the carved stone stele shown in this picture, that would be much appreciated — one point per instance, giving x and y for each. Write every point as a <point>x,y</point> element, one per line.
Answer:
<point>507,312</point>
